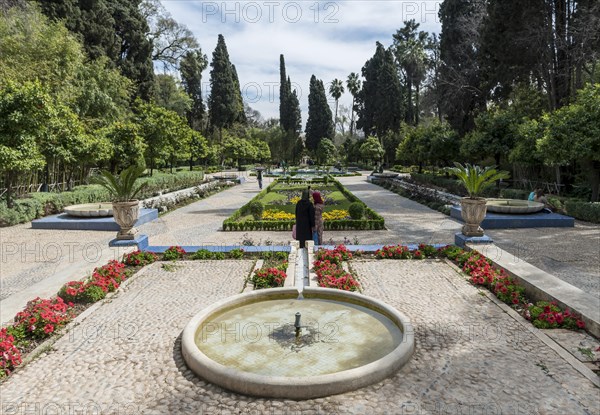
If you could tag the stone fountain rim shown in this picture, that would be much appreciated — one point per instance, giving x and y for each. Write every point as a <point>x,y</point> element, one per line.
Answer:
<point>75,210</point>
<point>304,387</point>
<point>524,206</point>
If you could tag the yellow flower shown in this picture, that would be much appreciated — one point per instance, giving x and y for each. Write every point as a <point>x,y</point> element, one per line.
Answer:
<point>294,200</point>
<point>336,214</point>
<point>273,214</point>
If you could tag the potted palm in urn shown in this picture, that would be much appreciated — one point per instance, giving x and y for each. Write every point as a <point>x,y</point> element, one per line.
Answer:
<point>473,207</point>
<point>123,190</point>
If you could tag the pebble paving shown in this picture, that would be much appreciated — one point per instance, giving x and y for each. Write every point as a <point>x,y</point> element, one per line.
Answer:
<point>471,357</point>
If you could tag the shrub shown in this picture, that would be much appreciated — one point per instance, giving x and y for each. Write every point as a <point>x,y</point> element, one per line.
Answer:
<point>73,291</point>
<point>218,255</point>
<point>268,278</point>
<point>547,315</point>
<point>356,210</point>
<point>173,253</point>
<point>586,211</point>
<point>202,254</point>
<point>10,356</point>
<point>393,252</point>
<point>93,293</point>
<point>43,317</point>
<point>236,253</point>
<point>256,209</point>
<point>139,258</point>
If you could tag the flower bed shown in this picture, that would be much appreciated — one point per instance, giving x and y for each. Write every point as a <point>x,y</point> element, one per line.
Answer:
<point>481,272</point>
<point>278,214</point>
<point>330,273</point>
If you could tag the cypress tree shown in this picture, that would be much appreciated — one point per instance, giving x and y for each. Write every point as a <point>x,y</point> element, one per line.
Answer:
<point>319,124</point>
<point>240,115</point>
<point>389,109</point>
<point>284,94</point>
<point>367,97</point>
<point>223,103</point>
<point>191,67</point>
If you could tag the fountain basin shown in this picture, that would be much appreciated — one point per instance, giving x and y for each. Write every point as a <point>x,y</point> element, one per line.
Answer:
<point>90,210</point>
<point>516,206</point>
<point>246,343</point>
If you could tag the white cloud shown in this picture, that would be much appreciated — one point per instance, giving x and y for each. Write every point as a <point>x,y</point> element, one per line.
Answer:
<point>327,38</point>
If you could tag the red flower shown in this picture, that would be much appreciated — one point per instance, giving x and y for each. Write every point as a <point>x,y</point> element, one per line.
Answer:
<point>49,328</point>
<point>580,324</point>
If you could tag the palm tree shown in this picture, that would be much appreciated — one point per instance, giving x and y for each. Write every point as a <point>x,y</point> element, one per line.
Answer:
<point>336,90</point>
<point>354,85</point>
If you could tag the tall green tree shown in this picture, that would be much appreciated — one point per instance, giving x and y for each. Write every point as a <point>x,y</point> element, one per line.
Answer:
<point>191,66</point>
<point>336,89</point>
<point>389,107</point>
<point>290,117</point>
<point>368,96</point>
<point>372,150</point>
<point>223,102</point>
<point>170,94</point>
<point>319,124</point>
<point>409,48</point>
<point>354,84</point>
<point>25,111</point>
<point>461,95</point>
<point>240,113</point>
<point>572,135</point>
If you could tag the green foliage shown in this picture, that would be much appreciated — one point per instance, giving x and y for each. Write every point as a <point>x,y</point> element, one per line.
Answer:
<point>475,179</point>
<point>586,211</point>
<point>127,144</point>
<point>326,152</point>
<point>122,188</point>
<point>223,102</point>
<point>256,209</point>
<point>202,254</point>
<point>371,149</point>
<point>319,124</point>
<point>494,134</point>
<point>191,66</point>
<point>92,294</point>
<point>236,254</point>
<point>356,210</point>
<point>170,95</point>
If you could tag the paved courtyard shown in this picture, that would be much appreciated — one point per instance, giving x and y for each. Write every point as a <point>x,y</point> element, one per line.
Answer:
<point>471,357</point>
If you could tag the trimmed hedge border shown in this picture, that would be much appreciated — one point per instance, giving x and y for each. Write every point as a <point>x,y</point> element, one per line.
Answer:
<point>586,211</point>
<point>40,204</point>
<point>375,221</point>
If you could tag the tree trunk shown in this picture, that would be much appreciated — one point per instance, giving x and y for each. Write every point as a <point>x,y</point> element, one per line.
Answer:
<point>409,111</point>
<point>352,117</point>
<point>417,87</point>
<point>9,195</point>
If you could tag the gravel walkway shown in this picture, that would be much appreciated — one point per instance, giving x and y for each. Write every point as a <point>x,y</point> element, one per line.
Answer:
<point>470,358</point>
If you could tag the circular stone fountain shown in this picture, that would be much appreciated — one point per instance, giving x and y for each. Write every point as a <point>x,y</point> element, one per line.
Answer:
<point>270,343</point>
<point>515,206</point>
<point>90,210</point>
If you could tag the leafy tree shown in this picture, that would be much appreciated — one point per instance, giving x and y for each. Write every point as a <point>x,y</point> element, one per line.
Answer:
<point>238,149</point>
<point>25,110</point>
<point>336,89</point>
<point>170,39</point>
<point>573,134</point>
<point>199,148</point>
<point>494,135</point>
<point>168,94</point>
<point>34,49</point>
<point>414,149</point>
<point>191,66</point>
<point>223,102</point>
<point>372,150</point>
<point>128,146</point>
<point>319,124</point>
<point>165,134</point>
<point>326,152</point>
<point>354,84</point>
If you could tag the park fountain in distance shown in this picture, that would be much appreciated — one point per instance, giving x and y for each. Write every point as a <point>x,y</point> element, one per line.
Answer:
<point>513,206</point>
<point>275,343</point>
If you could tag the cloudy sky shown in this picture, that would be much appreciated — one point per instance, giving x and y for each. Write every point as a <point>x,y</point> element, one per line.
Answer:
<point>329,39</point>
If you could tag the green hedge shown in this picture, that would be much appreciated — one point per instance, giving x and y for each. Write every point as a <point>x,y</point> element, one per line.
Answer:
<point>448,184</point>
<point>514,194</point>
<point>37,205</point>
<point>587,211</point>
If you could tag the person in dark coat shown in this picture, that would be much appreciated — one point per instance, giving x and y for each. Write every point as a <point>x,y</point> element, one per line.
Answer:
<point>305,219</point>
<point>259,178</point>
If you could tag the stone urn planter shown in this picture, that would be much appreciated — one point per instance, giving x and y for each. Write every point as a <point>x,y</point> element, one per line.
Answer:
<point>473,208</point>
<point>123,188</point>
<point>473,212</point>
<point>126,214</point>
